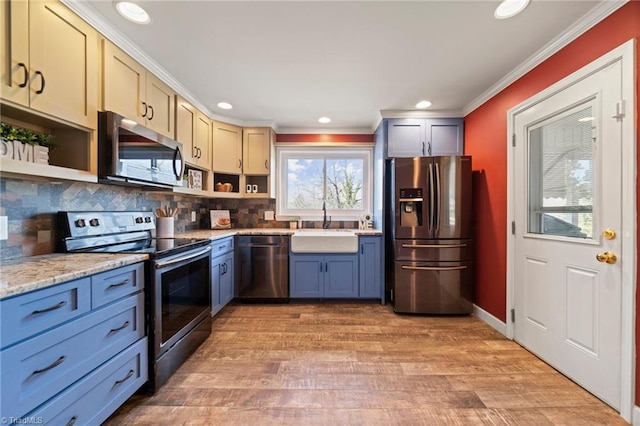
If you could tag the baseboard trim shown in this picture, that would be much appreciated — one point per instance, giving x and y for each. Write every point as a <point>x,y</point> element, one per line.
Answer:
<point>494,322</point>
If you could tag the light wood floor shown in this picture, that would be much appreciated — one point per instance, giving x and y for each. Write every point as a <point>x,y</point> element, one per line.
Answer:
<point>361,364</point>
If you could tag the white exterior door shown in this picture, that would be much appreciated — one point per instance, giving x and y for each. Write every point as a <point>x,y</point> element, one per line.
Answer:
<point>567,275</point>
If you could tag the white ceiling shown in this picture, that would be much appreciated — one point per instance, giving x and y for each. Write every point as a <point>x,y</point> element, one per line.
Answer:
<point>287,63</point>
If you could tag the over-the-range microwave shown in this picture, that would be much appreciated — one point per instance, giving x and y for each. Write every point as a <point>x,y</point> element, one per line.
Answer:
<point>132,154</point>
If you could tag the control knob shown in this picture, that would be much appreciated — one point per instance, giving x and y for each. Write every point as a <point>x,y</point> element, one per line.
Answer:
<point>94,222</point>
<point>147,219</point>
<point>80,223</point>
<point>139,219</point>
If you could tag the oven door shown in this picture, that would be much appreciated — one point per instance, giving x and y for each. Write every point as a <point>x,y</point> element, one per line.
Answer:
<point>182,296</point>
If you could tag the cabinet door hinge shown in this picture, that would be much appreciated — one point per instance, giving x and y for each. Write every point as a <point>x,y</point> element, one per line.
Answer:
<point>620,109</point>
<point>513,315</point>
<point>513,140</point>
<point>513,228</point>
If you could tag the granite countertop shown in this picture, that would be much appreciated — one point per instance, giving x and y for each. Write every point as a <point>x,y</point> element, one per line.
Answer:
<point>215,234</point>
<point>33,273</point>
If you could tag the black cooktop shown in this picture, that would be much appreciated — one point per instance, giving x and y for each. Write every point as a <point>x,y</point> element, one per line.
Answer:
<point>153,247</point>
<point>118,232</point>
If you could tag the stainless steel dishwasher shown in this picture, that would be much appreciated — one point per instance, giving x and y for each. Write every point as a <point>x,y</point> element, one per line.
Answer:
<point>263,268</point>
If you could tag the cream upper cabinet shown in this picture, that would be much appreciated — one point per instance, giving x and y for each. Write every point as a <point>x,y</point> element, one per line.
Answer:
<point>256,150</point>
<point>203,140</point>
<point>186,129</point>
<point>49,61</point>
<point>133,92</point>
<point>226,148</point>
<point>193,130</point>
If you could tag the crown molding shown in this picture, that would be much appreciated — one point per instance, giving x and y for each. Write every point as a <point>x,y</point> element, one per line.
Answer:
<point>93,18</point>
<point>325,131</point>
<point>406,113</point>
<point>597,14</point>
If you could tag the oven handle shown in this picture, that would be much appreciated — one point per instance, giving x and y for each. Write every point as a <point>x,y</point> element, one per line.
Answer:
<point>182,259</point>
<point>430,268</point>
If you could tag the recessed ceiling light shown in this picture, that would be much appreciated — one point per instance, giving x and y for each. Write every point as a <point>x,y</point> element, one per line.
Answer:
<point>423,104</point>
<point>133,12</point>
<point>324,120</point>
<point>224,105</point>
<point>509,8</point>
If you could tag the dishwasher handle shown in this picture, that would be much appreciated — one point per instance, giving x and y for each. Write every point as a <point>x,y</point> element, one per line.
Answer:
<point>265,245</point>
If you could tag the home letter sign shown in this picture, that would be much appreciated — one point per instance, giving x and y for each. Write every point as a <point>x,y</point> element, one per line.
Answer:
<point>16,150</point>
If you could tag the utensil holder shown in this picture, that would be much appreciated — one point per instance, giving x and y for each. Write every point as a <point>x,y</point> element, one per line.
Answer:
<point>164,227</point>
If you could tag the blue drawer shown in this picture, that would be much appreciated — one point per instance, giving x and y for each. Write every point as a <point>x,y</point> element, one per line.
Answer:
<point>28,314</point>
<point>94,398</point>
<point>115,284</point>
<point>37,369</point>
<point>220,246</point>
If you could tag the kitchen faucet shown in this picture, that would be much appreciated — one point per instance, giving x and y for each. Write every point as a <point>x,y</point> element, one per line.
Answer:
<point>325,223</point>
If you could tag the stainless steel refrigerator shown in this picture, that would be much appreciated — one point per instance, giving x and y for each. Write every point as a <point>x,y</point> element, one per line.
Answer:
<point>431,237</point>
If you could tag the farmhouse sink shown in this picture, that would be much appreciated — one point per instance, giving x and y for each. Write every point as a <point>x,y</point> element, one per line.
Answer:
<point>324,241</point>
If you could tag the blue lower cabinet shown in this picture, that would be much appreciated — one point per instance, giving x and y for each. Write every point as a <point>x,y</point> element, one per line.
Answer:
<point>323,276</point>
<point>222,282</point>
<point>371,268</point>
<point>305,276</point>
<point>92,400</point>
<point>75,351</point>
<point>341,276</point>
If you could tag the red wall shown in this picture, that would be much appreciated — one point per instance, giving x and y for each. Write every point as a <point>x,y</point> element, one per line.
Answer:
<point>486,141</point>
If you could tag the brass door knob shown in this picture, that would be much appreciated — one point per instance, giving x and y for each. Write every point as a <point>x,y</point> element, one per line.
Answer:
<point>609,233</point>
<point>607,257</point>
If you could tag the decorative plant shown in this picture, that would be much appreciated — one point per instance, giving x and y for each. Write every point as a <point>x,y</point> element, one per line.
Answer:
<point>9,132</point>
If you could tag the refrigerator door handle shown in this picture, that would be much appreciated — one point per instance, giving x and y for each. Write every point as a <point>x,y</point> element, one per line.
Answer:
<point>434,268</point>
<point>431,198</point>
<point>436,219</point>
<point>433,245</point>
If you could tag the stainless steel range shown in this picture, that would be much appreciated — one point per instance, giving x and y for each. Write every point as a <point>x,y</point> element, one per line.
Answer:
<point>178,276</point>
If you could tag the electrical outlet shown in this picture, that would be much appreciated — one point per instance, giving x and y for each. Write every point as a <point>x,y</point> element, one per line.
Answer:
<point>193,216</point>
<point>4,228</point>
<point>268,215</point>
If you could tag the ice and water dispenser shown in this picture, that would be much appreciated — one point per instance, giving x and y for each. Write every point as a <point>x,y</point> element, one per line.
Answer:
<point>411,207</point>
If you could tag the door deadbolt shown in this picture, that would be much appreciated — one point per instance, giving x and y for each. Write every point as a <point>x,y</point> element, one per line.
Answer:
<point>609,234</point>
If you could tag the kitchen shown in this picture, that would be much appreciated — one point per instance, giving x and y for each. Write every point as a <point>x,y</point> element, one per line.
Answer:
<point>484,141</point>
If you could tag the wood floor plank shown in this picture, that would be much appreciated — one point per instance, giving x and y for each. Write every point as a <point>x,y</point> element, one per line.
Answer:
<point>361,364</point>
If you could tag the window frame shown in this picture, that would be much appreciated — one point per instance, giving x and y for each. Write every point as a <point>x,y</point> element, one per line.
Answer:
<point>285,153</point>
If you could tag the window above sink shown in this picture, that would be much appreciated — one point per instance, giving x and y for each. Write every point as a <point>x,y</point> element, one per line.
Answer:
<point>340,176</point>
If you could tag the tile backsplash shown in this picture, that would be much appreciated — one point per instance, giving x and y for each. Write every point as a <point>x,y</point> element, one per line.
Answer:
<point>31,207</point>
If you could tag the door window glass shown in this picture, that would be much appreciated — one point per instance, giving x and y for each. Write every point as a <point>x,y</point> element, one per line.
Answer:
<point>561,164</point>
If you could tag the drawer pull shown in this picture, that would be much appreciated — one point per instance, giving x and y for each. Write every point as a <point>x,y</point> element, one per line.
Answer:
<point>432,268</point>
<point>50,308</point>
<point>120,284</point>
<point>42,83</point>
<point>125,378</point>
<point>113,330</point>
<point>72,421</point>
<point>49,367</point>
<point>438,246</point>
<point>26,75</point>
